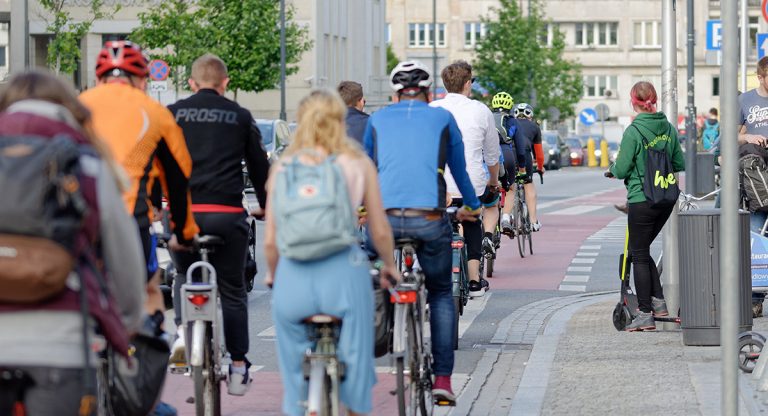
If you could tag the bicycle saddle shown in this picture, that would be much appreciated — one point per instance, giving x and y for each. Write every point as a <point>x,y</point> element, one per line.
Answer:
<point>210,241</point>
<point>401,242</point>
<point>322,319</point>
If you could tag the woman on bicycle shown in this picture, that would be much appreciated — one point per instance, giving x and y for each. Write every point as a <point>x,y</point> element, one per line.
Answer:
<point>44,341</point>
<point>338,284</point>
<point>645,222</point>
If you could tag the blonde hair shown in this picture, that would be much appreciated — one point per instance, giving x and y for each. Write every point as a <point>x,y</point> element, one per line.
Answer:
<point>209,69</point>
<point>321,124</point>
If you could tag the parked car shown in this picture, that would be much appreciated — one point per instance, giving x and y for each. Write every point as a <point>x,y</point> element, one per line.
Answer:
<point>555,150</point>
<point>275,135</point>
<point>576,151</point>
<point>613,150</point>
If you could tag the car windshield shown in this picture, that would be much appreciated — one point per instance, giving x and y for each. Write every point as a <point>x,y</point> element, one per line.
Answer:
<point>550,138</point>
<point>267,131</point>
<point>573,142</point>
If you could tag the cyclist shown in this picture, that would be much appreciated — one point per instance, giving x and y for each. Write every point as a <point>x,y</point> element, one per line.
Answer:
<point>414,194</point>
<point>530,134</point>
<point>481,152</point>
<point>512,147</point>
<point>338,283</point>
<point>219,135</point>
<point>143,137</point>
<point>44,340</point>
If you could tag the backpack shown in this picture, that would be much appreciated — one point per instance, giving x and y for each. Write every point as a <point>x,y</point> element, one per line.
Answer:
<point>506,135</point>
<point>710,135</point>
<point>41,215</point>
<point>753,175</point>
<point>313,213</point>
<point>659,184</point>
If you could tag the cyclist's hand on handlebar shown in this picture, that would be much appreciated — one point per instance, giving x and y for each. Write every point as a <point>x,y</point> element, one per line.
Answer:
<point>608,174</point>
<point>258,213</point>
<point>467,214</point>
<point>388,276</point>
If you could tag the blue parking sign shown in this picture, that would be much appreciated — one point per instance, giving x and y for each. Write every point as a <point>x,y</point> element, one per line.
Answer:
<point>714,34</point>
<point>762,45</point>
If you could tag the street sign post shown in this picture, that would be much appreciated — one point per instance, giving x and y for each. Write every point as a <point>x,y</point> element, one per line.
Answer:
<point>714,34</point>
<point>603,112</point>
<point>159,70</point>
<point>588,116</point>
<point>762,44</point>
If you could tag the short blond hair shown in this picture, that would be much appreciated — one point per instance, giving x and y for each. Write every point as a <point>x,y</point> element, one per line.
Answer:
<point>209,69</point>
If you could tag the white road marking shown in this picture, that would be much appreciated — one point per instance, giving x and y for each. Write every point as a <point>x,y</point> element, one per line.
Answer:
<point>579,269</point>
<point>472,309</point>
<point>573,288</point>
<point>587,254</point>
<point>582,261</point>
<point>590,247</point>
<point>269,332</point>
<point>576,279</point>
<point>577,210</point>
<point>255,368</point>
<point>567,201</point>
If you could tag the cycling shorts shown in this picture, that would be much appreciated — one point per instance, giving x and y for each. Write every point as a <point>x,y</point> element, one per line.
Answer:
<point>528,167</point>
<point>490,198</point>
<point>473,234</point>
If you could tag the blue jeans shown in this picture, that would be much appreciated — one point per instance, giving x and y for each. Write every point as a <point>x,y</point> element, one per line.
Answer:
<point>434,254</point>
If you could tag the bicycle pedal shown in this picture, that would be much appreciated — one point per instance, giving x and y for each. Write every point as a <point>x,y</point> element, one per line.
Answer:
<point>445,402</point>
<point>178,369</point>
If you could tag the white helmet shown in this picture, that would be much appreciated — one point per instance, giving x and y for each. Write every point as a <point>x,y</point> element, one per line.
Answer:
<point>523,109</point>
<point>410,74</point>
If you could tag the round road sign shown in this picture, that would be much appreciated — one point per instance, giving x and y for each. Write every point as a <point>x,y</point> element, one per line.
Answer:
<point>158,70</point>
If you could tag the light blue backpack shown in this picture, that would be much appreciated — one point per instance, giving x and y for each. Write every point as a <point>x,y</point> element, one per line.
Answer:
<point>313,213</point>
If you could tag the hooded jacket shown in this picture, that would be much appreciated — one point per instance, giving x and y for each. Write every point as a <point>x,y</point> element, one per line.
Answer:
<point>630,162</point>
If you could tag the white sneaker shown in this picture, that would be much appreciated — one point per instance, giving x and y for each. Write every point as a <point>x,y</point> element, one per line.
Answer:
<point>178,349</point>
<point>238,384</point>
<point>506,226</point>
<point>536,226</point>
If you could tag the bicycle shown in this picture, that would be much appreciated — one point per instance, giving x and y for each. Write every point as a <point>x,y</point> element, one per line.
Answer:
<point>411,351</point>
<point>522,221</point>
<point>201,315</point>
<point>459,274</point>
<point>490,257</point>
<point>322,367</point>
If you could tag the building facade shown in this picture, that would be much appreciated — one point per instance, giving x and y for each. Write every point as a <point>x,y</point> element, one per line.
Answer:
<point>617,42</point>
<point>347,37</point>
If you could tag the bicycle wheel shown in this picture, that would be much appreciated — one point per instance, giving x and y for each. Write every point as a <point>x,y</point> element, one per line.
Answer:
<point>520,227</point>
<point>319,390</point>
<point>207,386</point>
<point>530,242</point>
<point>400,378</point>
<point>421,378</point>
<point>456,315</point>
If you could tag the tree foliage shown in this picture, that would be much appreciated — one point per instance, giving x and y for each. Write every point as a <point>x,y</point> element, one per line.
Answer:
<point>245,34</point>
<point>64,47</point>
<point>392,59</point>
<point>514,57</point>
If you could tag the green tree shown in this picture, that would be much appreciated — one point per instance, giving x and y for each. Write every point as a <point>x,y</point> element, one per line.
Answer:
<point>64,47</point>
<point>245,34</point>
<point>514,57</point>
<point>392,59</point>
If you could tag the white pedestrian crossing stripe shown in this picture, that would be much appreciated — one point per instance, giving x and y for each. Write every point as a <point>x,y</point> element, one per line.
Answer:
<point>579,269</point>
<point>577,210</point>
<point>573,288</point>
<point>582,261</point>
<point>575,279</point>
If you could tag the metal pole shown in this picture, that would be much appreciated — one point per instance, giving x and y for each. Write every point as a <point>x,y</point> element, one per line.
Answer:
<point>671,275</point>
<point>283,115</point>
<point>744,44</point>
<point>690,121</point>
<point>434,45</point>
<point>729,220</point>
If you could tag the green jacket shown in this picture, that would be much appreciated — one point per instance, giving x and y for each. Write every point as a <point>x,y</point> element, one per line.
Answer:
<point>630,162</point>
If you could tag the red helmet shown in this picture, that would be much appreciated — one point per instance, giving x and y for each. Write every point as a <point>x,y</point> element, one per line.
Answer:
<point>123,56</point>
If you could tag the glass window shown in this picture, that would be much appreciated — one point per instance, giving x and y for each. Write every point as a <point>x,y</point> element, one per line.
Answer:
<point>579,33</point>
<point>647,34</point>
<point>602,33</point>
<point>412,40</point>
<point>423,34</point>
<point>716,86</point>
<point>473,32</point>
<point>613,38</point>
<point>468,29</point>
<point>3,61</point>
<point>595,34</point>
<point>590,29</point>
<point>598,85</point>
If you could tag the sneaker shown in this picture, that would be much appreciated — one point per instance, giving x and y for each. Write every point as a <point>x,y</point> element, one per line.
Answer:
<point>536,226</point>
<point>506,227</point>
<point>659,307</point>
<point>442,393</point>
<point>489,249</point>
<point>476,290</point>
<point>485,284</point>
<point>643,322</point>
<point>178,349</point>
<point>238,384</point>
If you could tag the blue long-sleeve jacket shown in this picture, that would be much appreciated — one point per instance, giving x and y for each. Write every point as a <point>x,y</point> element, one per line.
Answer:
<point>411,142</point>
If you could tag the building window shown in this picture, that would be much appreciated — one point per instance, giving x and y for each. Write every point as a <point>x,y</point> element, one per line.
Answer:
<point>648,34</point>
<point>420,35</point>
<point>597,34</point>
<point>716,86</point>
<point>547,35</point>
<point>473,33</point>
<point>3,56</point>
<point>753,27</point>
<point>600,86</point>
<point>113,36</point>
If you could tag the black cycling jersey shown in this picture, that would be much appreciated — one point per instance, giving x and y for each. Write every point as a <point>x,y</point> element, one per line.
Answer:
<point>530,131</point>
<point>219,135</point>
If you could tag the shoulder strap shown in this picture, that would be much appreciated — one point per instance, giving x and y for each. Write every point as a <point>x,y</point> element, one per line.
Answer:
<point>645,140</point>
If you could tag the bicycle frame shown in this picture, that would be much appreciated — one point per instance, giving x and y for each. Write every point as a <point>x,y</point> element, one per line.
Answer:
<point>321,364</point>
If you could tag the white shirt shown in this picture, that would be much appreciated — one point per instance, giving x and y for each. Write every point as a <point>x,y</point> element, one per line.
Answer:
<point>481,140</point>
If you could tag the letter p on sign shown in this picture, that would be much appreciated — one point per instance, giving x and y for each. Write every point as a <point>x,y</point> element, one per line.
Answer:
<point>714,34</point>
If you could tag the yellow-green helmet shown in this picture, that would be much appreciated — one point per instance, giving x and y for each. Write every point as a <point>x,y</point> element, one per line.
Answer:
<point>502,100</point>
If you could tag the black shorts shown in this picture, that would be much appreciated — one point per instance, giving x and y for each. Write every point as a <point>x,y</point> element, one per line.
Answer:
<point>490,198</point>
<point>528,167</point>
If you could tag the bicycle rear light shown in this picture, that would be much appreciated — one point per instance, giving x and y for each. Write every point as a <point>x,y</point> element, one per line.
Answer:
<point>408,261</point>
<point>455,270</point>
<point>198,299</point>
<point>405,296</point>
<point>457,244</point>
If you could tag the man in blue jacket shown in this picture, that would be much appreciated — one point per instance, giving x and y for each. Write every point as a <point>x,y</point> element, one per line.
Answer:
<point>352,94</point>
<point>411,143</point>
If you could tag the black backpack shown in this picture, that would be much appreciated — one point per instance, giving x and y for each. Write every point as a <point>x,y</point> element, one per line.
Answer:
<point>659,183</point>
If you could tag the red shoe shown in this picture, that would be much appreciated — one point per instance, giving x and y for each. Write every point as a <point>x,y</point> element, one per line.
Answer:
<point>442,393</point>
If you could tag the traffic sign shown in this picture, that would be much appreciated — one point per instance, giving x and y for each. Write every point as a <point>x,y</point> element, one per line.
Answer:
<point>762,45</point>
<point>714,34</point>
<point>603,112</point>
<point>764,9</point>
<point>158,86</point>
<point>158,70</point>
<point>588,116</point>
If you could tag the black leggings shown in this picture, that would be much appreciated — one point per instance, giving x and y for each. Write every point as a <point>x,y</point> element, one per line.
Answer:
<point>229,262</point>
<point>645,223</point>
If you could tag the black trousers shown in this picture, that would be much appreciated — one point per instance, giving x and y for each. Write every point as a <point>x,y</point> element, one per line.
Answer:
<point>229,262</point>
<point>645,223</point>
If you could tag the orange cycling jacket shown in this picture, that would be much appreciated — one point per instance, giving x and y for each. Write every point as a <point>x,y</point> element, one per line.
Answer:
<point>144,138</point>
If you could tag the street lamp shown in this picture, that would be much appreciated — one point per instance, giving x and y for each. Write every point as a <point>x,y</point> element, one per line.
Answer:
<point>283,115</point>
